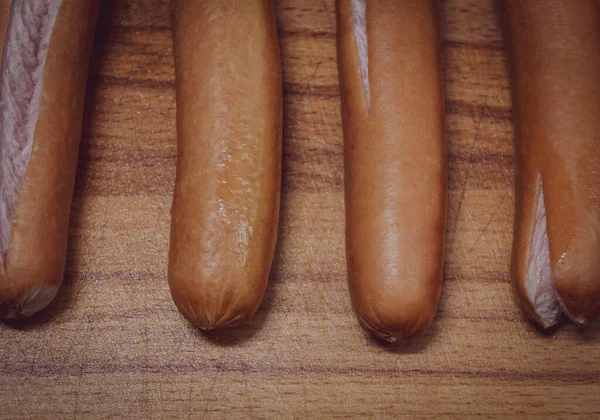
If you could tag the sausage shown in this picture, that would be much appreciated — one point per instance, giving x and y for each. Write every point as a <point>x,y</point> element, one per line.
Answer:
<point>46,49</point>
<point>229,124</point>
<point>554,51</point>
<point>395,159</point>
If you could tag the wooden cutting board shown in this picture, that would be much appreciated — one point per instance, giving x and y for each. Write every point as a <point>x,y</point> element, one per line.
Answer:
<point>113,344</point>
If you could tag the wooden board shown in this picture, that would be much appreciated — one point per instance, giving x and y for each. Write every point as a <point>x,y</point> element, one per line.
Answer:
<point>113,344</point>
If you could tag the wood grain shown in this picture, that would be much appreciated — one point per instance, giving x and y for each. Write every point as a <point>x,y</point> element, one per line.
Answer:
<point>114,345</point>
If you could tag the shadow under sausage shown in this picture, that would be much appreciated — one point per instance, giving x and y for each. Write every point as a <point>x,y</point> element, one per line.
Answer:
<point>413,346</point>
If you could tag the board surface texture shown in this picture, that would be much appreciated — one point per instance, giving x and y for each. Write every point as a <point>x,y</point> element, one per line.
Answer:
<point>114,345</point>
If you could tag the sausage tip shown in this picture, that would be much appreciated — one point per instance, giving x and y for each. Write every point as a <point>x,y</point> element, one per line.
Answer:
<point>209,313</point>
<point>582,308</point>
<point>27,304</point>
<point>397,326</point>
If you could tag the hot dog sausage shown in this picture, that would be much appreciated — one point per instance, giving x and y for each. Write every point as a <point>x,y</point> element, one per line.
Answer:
<point>554,50</point>
<point>226,202</point>
<point>46,50</point>
<point>389,63</point>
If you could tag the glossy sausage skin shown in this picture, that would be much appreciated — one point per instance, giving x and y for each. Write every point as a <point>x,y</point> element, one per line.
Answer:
<point>395,163</point>
<point>554,51</point>
<point>226,203</point>
<point>46,49</point>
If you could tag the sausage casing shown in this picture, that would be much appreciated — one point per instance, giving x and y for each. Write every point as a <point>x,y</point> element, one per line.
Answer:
<point>46,49</point>
<point>395,161</point>
<point>554,51</point>
<point>226,202</point>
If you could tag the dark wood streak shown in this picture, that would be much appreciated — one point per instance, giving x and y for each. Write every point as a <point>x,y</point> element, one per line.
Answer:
<point>476,46</point>
<point>486,112</point>
<point>327,92</point>
<point>541,377</point>
<point>133,83</point>
<point>306,33</point>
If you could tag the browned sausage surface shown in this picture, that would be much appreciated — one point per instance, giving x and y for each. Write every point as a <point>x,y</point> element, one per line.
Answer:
<point>554,48</point>
<point>395,162</point>
<point>46,49</point>
<point>226,203</point>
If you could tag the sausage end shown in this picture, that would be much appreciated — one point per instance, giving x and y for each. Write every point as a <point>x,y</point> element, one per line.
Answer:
<point>211,308</point>
<point>26,304</point>
<point>579,293</point>
<point>395,324</point>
